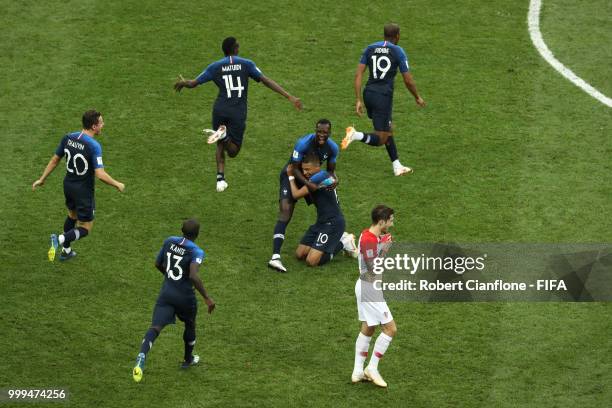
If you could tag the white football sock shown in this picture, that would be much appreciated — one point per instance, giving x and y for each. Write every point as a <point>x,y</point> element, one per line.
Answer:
<point>275,256</point>
<point>67,250</point>
<point>358,136</point>
<point>362,345</point>
<point>396,163</point>
<point>380,347</point>
<point>61,239</point>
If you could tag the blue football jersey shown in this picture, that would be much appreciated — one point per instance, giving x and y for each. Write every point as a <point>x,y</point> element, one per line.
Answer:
<point>231,75</point>
<point>83,156</point>
<point>383,59</point>
<point>328,152</point>
<point>176,255</point>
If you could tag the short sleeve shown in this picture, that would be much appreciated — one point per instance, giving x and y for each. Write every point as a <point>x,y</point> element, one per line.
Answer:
<point>403,60</point>
<point>198,256</point>
<point>368,247</point>
<point>300,149</point>
<point>254,72</point>
<point>334,151</point>
<point>206,75</point>
<point>364,56</point>
<point>60,148</point>
<point>160,255</point>
<point>97,156</point>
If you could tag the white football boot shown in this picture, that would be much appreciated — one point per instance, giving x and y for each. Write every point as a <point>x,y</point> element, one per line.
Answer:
<point>348,242</point>
<point>221,186</point>
<point>375,377</point>
<point>358,377</point>
<point>277,265</point>
<point>215,135</point>
<point>401,170</point>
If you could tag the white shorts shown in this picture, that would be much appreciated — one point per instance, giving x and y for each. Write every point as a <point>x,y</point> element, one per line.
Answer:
<point>373,313</point>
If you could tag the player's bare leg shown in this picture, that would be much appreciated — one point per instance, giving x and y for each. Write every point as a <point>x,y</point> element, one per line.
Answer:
<point>380,347</point>
<point>285,212</point>
<point>378,138</point>
<point>314,257</point>
<point>362,347</point>
<point>302,251</point>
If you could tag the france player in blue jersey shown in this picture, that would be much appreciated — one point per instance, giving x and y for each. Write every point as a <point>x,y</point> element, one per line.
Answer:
<point>327,150</point>
<point>384,59</point>
<point>179,261</point>
<point>231,75</point>
<point>325,238</point>
<point>84,164</point>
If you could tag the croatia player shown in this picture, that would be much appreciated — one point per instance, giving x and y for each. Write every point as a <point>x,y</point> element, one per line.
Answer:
<point>372,309</point>
<point>231,75</point>
<point>383,59</point>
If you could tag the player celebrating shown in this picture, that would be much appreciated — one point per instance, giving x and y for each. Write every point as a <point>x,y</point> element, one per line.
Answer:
<point>383,58</point>
<point>83,161</point>
<point>327,150</point>
<point>371,307</point>
<point>231,75</point>
<point>179,261</point>
<point>326,237</point>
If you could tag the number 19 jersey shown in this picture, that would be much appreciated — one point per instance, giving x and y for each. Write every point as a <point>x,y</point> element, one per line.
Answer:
<point>176,256</point>
<point>231,75</point>
<point>383,59</point>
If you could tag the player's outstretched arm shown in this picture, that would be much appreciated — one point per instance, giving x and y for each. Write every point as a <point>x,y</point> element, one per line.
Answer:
<point>184,83</point>
<point>358,79</point>
<point>197,283</point>
<point>409,82</point>
<point>103,176</point>
<point>48,170</point>
<point>270,83</point>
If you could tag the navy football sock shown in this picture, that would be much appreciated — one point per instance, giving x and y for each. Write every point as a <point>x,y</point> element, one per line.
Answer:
<point>147,341</point>
<point>74,235</point>
<point>220,176</point>
<point>325,258</point>
<point>279,236</point>
<point>189,337</point>
<point>69,224</point>
<point>391,149</point>
<point>371,139</point>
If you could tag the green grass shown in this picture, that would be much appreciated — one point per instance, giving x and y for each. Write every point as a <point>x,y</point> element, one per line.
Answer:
<point>506,151</point>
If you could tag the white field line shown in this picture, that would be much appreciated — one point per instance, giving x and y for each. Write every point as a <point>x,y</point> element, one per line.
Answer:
<point>533,20</point>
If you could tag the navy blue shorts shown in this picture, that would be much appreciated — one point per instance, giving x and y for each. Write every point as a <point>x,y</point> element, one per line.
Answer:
<point>380,108</point>
<point>235,124</point>
<point>168,307</point>
<point>81,200</point>
<point>324,236</point>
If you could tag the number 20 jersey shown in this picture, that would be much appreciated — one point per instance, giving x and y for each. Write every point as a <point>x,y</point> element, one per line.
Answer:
<point>383,59</point>
<point>231,75</point>
<point>83,156</point>
<point>176,256</point>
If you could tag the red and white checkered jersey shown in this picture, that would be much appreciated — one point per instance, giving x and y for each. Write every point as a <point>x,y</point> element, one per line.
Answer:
<point>369,248</point>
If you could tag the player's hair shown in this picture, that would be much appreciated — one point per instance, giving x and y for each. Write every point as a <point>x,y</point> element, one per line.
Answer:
<point>191,228</point>
<point>229,46</point>
<point>381,213</point>
<point>391,30</point>
<point>324,122</point>
<point>90,118</point>
<point>312,158</point>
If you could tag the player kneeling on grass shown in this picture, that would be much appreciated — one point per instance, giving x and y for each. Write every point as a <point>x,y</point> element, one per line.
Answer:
<point>179,261</point>
<point>373,311</point>
<point>326,237</point>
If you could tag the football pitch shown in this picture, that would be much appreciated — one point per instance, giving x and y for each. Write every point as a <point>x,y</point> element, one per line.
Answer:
<point>506,151</point>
